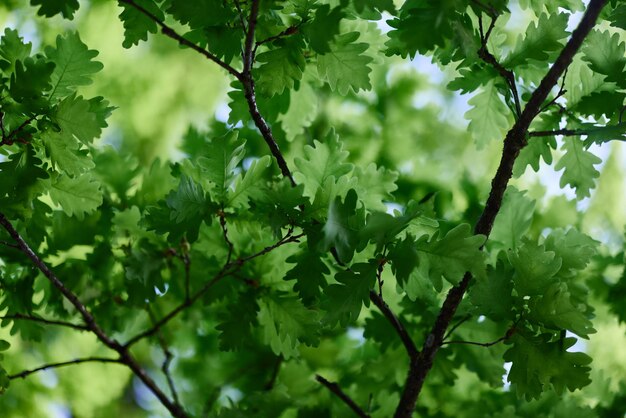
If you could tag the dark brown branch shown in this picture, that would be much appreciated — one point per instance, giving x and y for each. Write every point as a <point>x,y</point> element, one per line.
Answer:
<point>334,388</point>
<point>409,345</point>
<point>455,326</point>
<point>507,74</point>
<point>25,373</point>
<point>227,240</point>
<point>515,140</point>
<point>125,356</point>
<point>12,136</point>
<point>45,321</point>
<point>247,82</point>
<point>565,132</point>
<point>171,33</point>
<point>489,344</point>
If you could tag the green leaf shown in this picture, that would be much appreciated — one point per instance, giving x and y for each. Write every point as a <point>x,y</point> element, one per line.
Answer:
<point>76,196</point>
<point>451,256</point>
<point>281,67</point>
<point>602,134</point>
<point>345,300</point>
<point>49,8</point>
<point>539,365</point>
<point>188,202</point>
<point>251,184</point>
<point>404,259</point>
<point>532,154</point>
<point>4,345</point>
<point>489,116</point>
<point>345,67</point>
<point>573,247</point>
<point>302,111</point>
<point>30,81</point>
<point>12,49</point>
<point>534,268</point>
<point>218,166</point>
<point>492,294</point>
<point>65,154</point>
<point>201,13</point>
<point>136,24</point>
<point>578,167</point>
<point>4,380</point>
<point>606,54</point>
<point>540,42</point>
<point>310,275</point>
<point>323,28</point>
<point>325,161</point>
<point>375,186</point>
<point>75,118</point>
<point>287,323</point>
<point>74,65</point>
<point>236,324</point>
<point>342,227</point>
<point>381,228</point>
<point>513,219</point>
<point>555,310</point>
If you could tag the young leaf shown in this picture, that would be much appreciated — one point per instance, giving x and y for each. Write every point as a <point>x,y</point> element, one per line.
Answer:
<point>540,41</point>
<point>12,49</point>
<point>606,54</point>
<point>492,294</point>
<point>223,156</point>
<point>65,155</point>
<point>539,365</point>
<point>50,8</point>
<point>76,196</point>
<point>342,227</point>
<point>534,268</point>
<point>281,67</point>
<point>344,300</point>
<point>451,256</point>
<point>74,65</point>
<point>514,218</point>
<point>310,275</point>
<point>578,167</point>
<point>287,323</point>
<point>75,119</point>
<point>136,24</point>
<point>488,116</point>
<point>345,67</point>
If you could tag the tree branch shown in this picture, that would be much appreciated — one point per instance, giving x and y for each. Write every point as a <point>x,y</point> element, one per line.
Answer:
<point>171,33</point>
<point>19,316</point>
<point>25,373</point>
<point>515,140</point>
<point>409,345</point>
<point>334,388</point>
<point>125,356</point>
<point>227,270</point>
<point>565,132</point>
<point>168,356</point>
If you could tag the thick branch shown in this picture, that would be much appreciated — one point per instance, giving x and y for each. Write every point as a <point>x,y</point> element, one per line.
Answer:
<point>125,356</point>
<point>334,388</point>
<point>396,324</point>
<point>25,373</point>
<point>515,140</point>
<point>171,33</point>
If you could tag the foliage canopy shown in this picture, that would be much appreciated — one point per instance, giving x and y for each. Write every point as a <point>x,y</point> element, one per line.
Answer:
<point>328,243</point>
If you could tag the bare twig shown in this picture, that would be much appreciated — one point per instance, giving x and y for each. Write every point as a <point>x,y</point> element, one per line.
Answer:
<point>45,321</point>
<point>228,242</point>
<point>171,33</point>
<point>8,244</point>
<point>515,140</point>
<point>409,345</point>
<point>334,388</point>
<point>12,136</point>
<point>25,373</point>
<point>276,369</point>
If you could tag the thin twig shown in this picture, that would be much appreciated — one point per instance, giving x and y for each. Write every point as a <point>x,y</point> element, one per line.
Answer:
<point>287,32</point>
<point>171,33</point>
<point>8,244</point>
<point>559,94</point>
<point>407,341</point>
<point>23,317</point>
<point>241,19</point>
<point>455,326</point>
<point>25,373</point>
<point>334,388</point>
<point>10,138</point>
<point>227,240</point>
<point>168,356</point>
<point>276,369</point>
